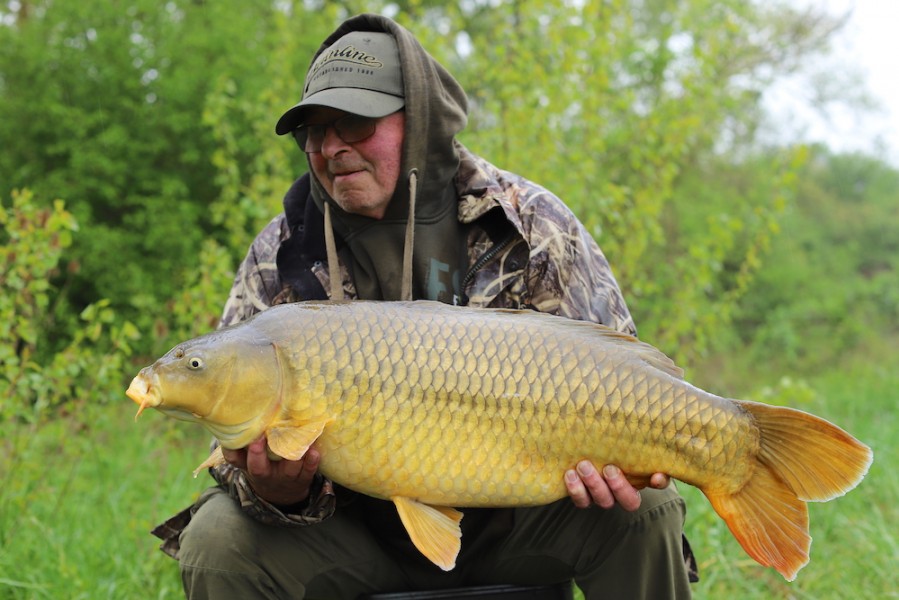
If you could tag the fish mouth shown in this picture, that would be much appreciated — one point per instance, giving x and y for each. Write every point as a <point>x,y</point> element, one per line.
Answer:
<point>143,392</point>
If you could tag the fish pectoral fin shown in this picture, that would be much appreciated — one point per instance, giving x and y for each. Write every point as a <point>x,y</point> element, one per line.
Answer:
<point>292,441</point>
<point>215,459</point>
<point>434,530</point>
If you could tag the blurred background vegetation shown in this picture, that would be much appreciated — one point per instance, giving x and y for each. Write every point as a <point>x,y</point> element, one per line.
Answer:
<point>139,160</point>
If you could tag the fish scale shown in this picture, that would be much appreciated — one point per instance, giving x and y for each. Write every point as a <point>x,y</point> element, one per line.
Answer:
<point>434,406</point>
<point>456,385</point>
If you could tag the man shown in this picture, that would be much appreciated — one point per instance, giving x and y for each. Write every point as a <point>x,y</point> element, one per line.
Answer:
<point>395,207</point>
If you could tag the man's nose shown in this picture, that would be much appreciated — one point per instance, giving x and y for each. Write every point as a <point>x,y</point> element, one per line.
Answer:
<point>332,144</point>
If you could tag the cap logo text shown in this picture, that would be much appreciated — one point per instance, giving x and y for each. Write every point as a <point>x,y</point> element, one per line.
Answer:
<point>348,54</point>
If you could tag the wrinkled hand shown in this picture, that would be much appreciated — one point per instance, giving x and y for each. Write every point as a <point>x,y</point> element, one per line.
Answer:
<point>587,486</point>
<point>281,482</point>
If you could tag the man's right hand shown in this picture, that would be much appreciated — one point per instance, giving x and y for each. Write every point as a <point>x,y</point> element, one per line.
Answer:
<point>280,482</point>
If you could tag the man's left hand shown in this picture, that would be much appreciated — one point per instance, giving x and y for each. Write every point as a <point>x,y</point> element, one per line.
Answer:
<point>587,486</point>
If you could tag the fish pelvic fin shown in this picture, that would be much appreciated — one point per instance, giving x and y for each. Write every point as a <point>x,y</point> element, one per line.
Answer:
<point>801,458</point>
<point>292,441</point>
<point>434,530</point>
<point>215,459</point>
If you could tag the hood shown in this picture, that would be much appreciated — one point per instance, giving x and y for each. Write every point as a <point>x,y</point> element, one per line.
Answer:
<point>436,110</point>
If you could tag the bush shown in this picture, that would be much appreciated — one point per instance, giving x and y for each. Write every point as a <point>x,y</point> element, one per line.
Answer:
<point>42,366</point>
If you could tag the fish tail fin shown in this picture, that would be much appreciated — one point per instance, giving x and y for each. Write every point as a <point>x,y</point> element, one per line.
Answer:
<point>768,520</point>
<point>814,458</point>
<point>801,458</point>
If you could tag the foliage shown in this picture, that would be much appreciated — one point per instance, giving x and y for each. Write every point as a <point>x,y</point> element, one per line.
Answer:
<point>154,122</point>
<point>833,284</point>
<point>35,378</point>
<point>111,106</point>
<point>718,231</point>
<point>622,108</point>
<point>194,310</point>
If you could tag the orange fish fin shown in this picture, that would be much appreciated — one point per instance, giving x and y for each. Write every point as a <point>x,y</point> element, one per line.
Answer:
<point>292,441</point>
<point>215,459</point>
<point>800,458</point>
<point>769,522</point>
<point>814,458</point>
<point>434,530</point>
<point>638,481</point>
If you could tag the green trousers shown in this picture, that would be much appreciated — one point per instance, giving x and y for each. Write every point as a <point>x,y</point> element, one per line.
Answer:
<point>608,553</point>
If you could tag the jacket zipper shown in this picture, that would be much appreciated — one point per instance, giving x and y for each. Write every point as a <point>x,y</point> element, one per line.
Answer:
<point>486,258</point>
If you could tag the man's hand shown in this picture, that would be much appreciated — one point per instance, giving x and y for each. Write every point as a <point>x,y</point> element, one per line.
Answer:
<point>281,482</point>
<point>587,486</point>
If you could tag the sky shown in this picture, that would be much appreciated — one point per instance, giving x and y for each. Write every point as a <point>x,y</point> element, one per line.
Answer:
<point>869,44</point>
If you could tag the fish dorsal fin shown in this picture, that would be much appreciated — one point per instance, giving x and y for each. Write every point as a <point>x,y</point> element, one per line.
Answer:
<point>646,352</point>
<point>215,459</point>
<point>434,530</point>
<point>292,441</point>
<point>628,343</point>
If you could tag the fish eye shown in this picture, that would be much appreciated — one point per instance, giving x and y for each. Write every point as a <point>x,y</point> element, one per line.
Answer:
<point>195,363</point>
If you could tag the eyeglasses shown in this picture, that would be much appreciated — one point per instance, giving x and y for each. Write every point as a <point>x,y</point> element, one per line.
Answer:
<point>350,128</point>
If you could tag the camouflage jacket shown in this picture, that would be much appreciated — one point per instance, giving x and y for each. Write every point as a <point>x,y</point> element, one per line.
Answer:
<point>526,249</point>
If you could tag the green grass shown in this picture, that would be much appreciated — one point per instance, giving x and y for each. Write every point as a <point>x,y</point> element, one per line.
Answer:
<point>855,539</point>
<point>80,494</point>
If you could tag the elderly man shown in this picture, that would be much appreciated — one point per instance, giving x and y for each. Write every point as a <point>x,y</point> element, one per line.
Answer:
<point>394,207</point>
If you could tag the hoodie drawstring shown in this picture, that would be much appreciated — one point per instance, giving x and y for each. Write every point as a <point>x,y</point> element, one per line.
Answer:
<point>406,290</point>
<point>337,292</point>
<point>333,264</point>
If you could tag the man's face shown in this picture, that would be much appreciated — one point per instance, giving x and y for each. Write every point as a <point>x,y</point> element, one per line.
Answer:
<point>360,176</point>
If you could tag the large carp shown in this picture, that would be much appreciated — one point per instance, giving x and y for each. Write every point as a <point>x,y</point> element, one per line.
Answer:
<point>434,406</point>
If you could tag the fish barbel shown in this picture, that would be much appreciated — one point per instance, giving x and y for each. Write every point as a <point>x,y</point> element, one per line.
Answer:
<point>433,406</point>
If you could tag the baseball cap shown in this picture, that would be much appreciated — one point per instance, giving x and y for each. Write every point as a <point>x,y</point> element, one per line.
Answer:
<point>360,73</point>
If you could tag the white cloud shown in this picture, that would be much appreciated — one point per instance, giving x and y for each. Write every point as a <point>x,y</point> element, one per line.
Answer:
<point>869,45</point>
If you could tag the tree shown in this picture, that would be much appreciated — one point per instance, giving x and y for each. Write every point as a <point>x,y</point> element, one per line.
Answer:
<point>154,123</point>
<point>122,110</point>
<point>831,288</point>
<point>619,107</point>
<point>35,377</point>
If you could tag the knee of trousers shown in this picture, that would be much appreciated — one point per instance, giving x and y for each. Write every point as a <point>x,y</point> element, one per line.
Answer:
<point>660,517</point>
<point>560,527</point>
<point>661,511</point>
<point>219,534</point>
